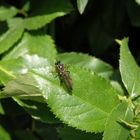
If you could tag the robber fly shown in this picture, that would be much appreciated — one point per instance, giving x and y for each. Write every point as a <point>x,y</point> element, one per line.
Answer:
<point>63,74</point>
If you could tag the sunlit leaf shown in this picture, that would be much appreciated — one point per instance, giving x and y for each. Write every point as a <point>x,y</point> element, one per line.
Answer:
<point>9,69</point>
<point>88,62</point>
<point>118,87</point>
<point>88,105</point>
<point>23,87</point>
<point>7,12</point>
<point>130,72</point>
<point>37,22</point>
<point>114,130</point>
<point>138,2</point>
<point>10,37</point>
<point>42,45</point>
<point>49,11</point>
<point>12,22</point>
<point>82,5</point>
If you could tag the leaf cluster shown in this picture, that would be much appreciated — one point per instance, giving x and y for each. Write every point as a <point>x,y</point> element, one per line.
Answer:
<point>98,106</point>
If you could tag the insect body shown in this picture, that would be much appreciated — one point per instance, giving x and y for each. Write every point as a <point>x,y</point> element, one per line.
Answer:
<point>63,75</point>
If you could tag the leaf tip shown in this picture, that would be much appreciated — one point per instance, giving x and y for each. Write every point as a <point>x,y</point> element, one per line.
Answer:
<point>125,39</point>
<point>118,41</point>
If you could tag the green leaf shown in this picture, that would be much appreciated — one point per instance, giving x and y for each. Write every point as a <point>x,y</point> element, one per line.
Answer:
<point>12,65</point>
<point>118,87</point>
<point>23,64</point>
<point>1,109</point>
<point>42,45</point>
<point>4,135</point>
<point>5,76</point>
<point>114,130</point>
<point>23,87</point>
<point>87,108</point>
<point>138,133</point>
<point>39,65</point>
<point>9,69</point>
<point>37,110</point>
<point>85,61</point>
<point>68,133</point>
<point>15,21</point>
<point>130,72</point>
<point>82,5</point>
<point>33,23</point>
<point>10,37</point>
<point>26,6</point>
<point>49,11</point>
<point>138,2</point>
<point>6,13</point>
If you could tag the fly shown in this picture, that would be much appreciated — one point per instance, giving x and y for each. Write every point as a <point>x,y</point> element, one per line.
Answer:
<point>63,74</point>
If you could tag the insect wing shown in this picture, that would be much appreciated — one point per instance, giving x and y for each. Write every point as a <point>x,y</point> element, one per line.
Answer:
<point>67,80</point>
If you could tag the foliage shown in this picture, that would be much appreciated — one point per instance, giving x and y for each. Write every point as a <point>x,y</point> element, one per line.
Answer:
<point>99,106</point>
<point>81,5</point>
